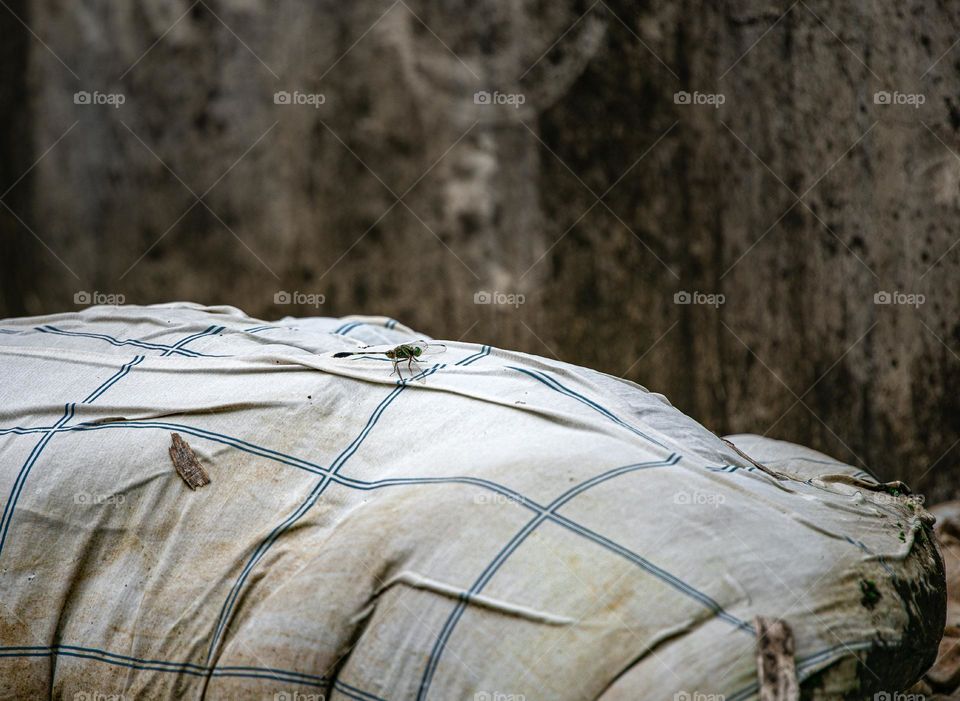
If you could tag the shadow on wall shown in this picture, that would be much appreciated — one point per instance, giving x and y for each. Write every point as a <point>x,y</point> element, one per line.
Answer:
<point>747,211</point>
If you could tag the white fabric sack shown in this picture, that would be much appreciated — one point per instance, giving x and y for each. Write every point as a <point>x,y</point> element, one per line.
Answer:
<point>499,526</point>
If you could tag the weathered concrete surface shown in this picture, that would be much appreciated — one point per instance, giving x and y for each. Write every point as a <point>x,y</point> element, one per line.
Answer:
<point>798,348</point>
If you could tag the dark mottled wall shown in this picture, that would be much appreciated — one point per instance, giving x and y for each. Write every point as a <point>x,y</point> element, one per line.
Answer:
<point>598,199</point>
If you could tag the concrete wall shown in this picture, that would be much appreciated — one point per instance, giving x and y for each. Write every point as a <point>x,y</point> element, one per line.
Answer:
<point>598,199</point>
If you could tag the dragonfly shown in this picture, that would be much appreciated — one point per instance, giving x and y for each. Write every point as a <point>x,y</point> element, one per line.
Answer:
<point>411,352</point>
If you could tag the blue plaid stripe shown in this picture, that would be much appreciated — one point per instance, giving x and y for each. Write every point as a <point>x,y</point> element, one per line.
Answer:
<point>10,506</point>
<point>188,668</point>
<point>355,693</point>
<point>483,352</point>
<point>521,536</point>
<point>25,471</point>
<point>554,384</point>
<point>730,469</point>
<point>122,342</point>
<point>120,374</point>
<point>348,327</point>
<point>181,344</point>
<point>311,499</point>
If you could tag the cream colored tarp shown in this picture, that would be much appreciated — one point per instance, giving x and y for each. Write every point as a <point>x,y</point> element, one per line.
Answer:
<point>500,526</point>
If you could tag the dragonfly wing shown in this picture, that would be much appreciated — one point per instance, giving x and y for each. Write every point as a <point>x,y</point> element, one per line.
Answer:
<point>430,348</point>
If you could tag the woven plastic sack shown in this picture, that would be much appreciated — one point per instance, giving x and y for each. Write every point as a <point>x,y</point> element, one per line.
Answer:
<point>490,525</point>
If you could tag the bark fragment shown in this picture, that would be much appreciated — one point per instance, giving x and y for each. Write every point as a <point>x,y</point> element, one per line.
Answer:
<point>776,668</point>
<point>187,464</point>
